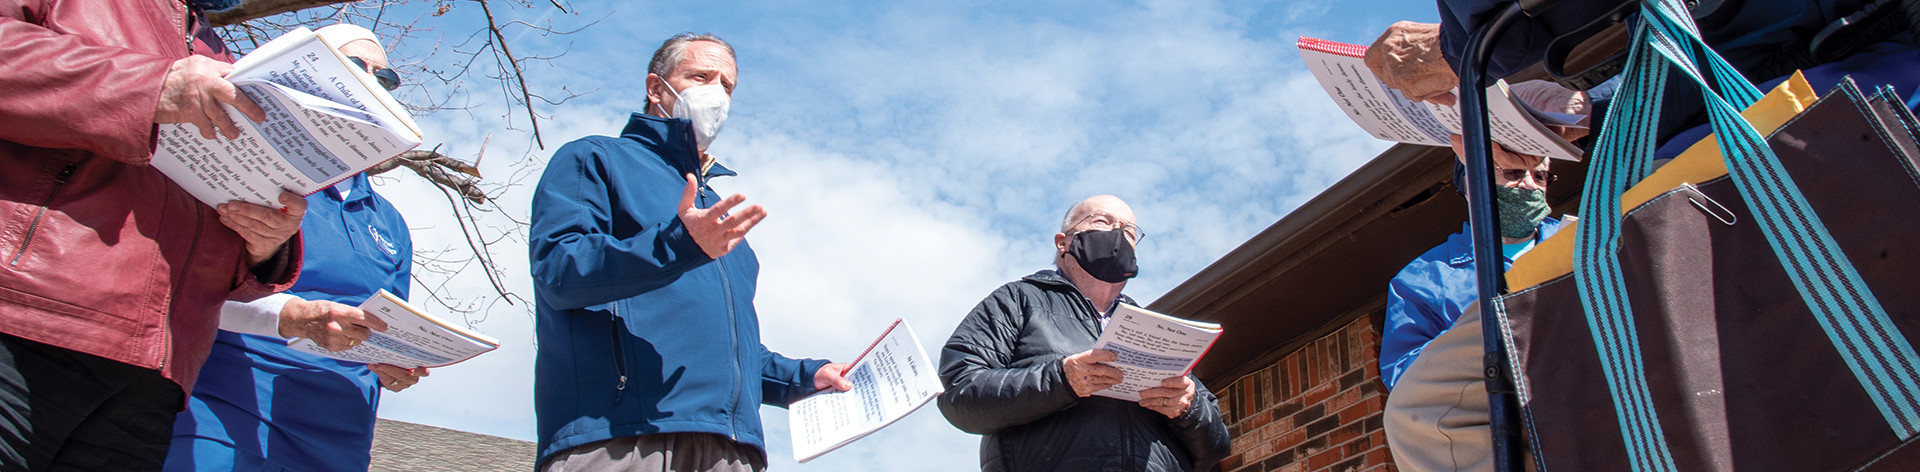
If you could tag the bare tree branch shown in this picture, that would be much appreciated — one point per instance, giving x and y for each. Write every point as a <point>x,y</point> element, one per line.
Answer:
<point>434,166</point>
<point>486,260</point>
<point>494,26</point>
<point>250,10</point>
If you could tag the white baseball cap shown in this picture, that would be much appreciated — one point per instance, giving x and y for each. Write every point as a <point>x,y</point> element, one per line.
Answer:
<point>341,34</point>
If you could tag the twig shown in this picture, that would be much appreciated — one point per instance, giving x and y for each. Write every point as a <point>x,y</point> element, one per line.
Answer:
<point>518,76</point>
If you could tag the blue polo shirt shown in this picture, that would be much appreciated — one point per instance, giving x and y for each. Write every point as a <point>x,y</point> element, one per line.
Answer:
<point>1429,294</point>
<point>261,406</point>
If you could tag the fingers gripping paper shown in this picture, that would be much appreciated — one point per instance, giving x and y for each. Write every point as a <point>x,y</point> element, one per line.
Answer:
<point>324,123</point>
<point>1387,114</point>
<point>413,338</point>
<point>1152,347</point>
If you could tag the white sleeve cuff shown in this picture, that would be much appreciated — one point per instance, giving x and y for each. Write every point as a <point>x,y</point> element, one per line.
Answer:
<point>260,317</point>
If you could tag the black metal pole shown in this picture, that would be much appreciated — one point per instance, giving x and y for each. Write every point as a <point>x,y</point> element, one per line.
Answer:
<point>1503,401</point>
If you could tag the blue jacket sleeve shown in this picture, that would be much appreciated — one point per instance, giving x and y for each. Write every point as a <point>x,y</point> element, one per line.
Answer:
<point>1413,320</point>
<point>784,380</point>
<point>578,260</point>
<point>1524,43</point>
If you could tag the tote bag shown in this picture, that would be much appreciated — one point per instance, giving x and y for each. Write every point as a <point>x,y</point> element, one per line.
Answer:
<point>1749,306</point>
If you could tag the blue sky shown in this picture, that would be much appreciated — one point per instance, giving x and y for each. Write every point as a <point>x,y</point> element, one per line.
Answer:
<point>913,156</point>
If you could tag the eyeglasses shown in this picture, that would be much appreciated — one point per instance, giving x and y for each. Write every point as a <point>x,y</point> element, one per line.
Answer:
<point>389,79</point>
<point>1541,176</point>
<point>1102,222</point>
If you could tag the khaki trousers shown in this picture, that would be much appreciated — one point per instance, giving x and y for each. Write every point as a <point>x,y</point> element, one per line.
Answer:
<point>1436,416</point>
<point>670,452</point>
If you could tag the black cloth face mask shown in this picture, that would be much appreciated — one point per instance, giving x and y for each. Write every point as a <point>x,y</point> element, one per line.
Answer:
<point>1105,255</point>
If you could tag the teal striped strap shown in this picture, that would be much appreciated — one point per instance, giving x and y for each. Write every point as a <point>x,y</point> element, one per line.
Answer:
<point>1879,356</point>
<point>1619,159</point>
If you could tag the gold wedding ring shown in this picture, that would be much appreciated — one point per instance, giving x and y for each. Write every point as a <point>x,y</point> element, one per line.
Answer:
<point>352,342</point>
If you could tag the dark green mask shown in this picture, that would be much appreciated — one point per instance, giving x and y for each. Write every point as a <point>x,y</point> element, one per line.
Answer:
<point>1520,210</point>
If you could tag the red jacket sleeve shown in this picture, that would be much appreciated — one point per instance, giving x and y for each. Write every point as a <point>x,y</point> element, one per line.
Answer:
<point>66,90</point>
<point>273,276</point>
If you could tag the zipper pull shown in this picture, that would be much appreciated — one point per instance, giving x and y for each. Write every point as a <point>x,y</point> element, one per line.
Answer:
<point>189,32</point>
<point>622,385</point>
<point>65,174</point>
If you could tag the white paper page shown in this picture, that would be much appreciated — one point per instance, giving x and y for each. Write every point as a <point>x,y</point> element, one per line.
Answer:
<point>248,168</point>
<point>298,149</point>
<point>325,120</point>
<point>309,65</point>
<point>1151,347</point>
<point>412,339</point>
<point>1383,112</point>
<point>1387,114</point>
<point>1507,124</point>
<point>353,139</point>
<point>272,49</point>
<point>894,378</point>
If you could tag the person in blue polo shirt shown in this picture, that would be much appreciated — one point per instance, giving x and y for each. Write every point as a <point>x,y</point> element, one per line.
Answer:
<point>1436,415</point>
<point>259,405</point>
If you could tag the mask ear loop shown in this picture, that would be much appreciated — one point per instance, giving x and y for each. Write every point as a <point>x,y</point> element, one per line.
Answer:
<point>676,97</point>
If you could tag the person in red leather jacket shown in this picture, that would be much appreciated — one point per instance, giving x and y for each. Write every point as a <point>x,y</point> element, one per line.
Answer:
<point>111,276</point>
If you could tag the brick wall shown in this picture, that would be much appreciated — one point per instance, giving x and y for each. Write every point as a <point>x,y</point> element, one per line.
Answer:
<point>1316,410</point>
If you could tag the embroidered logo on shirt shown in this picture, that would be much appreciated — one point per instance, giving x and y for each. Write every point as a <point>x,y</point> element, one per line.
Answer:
<point>381,241</point>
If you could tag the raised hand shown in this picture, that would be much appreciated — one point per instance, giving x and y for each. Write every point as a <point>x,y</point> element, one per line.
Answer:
<point>1086,374</point>
<point>712,228</point>
<point>192,92</point>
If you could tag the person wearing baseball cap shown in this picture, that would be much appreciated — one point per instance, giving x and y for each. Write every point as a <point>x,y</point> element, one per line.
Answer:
<point>260,405</point>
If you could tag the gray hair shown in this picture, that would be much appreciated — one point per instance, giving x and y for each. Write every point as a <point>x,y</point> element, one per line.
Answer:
<point>675,48</point>
<point>1073,216</point>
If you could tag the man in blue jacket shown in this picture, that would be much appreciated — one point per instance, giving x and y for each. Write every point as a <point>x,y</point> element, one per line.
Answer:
<point>260,405</point>
<point>650,354</point>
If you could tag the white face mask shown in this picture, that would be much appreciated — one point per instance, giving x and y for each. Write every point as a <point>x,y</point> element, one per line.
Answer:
<point>704,105</point>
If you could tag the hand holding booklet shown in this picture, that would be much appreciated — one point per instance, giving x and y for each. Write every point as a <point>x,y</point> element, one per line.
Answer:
<point>891,379</point>
<point>1387,114</point>
<point>1151,347</point>
<point>325,122</point>
<point>413,338</point>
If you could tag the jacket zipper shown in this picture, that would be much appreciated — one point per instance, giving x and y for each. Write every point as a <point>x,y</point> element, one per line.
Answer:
<point>34,226</point>
<point>619,357</point>
<point>733,327</point>
<point>1092,320</point>
<point>726,289</point>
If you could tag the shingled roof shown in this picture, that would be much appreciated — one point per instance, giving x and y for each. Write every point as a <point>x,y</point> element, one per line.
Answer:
<point>403,446</point>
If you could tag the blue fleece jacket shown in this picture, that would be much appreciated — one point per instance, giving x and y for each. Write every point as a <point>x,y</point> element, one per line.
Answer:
<point>639,331</point>
<point>1425,298</point>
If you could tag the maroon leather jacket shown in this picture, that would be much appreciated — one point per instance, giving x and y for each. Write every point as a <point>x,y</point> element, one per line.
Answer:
<point>99,252</point>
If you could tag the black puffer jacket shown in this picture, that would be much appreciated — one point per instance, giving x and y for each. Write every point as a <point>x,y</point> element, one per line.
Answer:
<point>1004,381</point>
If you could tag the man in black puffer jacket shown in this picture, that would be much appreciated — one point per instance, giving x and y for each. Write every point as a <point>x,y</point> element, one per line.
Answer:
<point>1020,369</point>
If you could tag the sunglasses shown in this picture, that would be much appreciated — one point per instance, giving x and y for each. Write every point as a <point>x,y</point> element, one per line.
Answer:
<point>1541,176</point>
<point>389,79</point>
